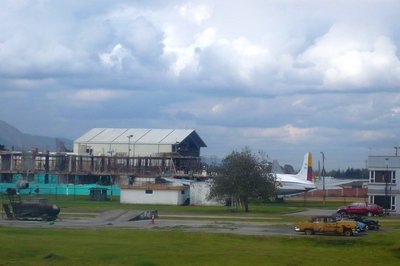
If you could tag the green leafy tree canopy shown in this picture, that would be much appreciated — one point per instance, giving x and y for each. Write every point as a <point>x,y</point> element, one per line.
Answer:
<point>242,176</point>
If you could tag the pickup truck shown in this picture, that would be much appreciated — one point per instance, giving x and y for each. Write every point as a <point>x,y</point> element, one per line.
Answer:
<point>327,224</point>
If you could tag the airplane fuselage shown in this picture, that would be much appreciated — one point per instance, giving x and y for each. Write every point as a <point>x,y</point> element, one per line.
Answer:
<point>288,184</point>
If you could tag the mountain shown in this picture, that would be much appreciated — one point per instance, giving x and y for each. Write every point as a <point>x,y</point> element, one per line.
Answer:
<point>11,138</point>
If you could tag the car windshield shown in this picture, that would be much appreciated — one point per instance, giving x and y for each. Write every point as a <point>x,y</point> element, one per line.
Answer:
<point>358,204</point>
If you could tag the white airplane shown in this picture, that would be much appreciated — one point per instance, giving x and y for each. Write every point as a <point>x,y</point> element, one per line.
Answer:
<point>288,185</point>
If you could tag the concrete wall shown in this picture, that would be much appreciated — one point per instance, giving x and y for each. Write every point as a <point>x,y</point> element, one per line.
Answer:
<point>121,148</point>
<point>139,196</point>
<point>199,192</point>
<point>339,192</point>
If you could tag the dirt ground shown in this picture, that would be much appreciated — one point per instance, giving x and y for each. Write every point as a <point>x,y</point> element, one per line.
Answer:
<point>179,222</point>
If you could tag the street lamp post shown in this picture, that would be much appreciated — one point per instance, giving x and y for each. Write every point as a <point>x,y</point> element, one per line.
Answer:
<point>129,149</point>
<point>129,144</point>
<point>323,176</point>
<point>387,201</point>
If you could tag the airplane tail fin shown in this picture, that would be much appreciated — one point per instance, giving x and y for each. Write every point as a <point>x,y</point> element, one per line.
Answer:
<point>306,172</point>
<point>276,168</point>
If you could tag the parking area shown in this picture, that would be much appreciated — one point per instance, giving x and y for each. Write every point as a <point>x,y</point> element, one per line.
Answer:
<point>174,222</point>
<point>120,219</point>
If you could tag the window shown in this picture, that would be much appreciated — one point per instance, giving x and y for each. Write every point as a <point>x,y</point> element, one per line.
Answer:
<point>386,202</point>
<point>393,207</point>
<point>383,177</point>
<point>149,191</point>
<point>318,219</point>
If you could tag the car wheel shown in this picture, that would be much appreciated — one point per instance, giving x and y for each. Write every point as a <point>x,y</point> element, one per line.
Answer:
<point>309,232</point>
<point>347,232</point>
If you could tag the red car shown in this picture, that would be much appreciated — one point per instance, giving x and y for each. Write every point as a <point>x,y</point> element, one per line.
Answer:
<point>361,208</point>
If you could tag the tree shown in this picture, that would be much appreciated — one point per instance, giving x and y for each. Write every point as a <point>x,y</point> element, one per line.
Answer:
<point>241,176</point>
<point>2,147</point>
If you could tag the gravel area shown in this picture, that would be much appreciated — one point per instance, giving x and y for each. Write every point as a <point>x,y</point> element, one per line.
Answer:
<point>176,222</point>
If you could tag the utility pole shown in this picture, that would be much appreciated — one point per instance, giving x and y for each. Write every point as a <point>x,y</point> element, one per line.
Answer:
<point>396,148</point>
<point>323,176</point>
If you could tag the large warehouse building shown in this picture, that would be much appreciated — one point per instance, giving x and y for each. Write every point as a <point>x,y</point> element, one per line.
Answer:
<point>146,154</point>
<point>138,142</point>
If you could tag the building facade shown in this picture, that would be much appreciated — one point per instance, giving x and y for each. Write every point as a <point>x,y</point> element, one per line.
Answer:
<point>139,142</point>
<point>155,194</point>
<point>384,185</point>
<point>104,158</point>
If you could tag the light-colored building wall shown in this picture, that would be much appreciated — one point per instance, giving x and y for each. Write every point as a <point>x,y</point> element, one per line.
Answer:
<point>122,149</point>
<point>199,192</point>
<point>154,196</point>
<point>384,182</point>
<point>138,142</point>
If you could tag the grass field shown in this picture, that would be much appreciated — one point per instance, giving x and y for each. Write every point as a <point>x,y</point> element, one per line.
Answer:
<point>113,246</point>
<point>142,247</point>
<point>82,204</point>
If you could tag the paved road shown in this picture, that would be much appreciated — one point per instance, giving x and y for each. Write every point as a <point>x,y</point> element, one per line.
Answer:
<point>179,222</point>
<point>120,218</point>
<point>313,212</point>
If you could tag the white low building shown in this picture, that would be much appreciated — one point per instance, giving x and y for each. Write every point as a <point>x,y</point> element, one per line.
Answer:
<point>199,191</point>
<point>155,194</point>
<point>384,185</point>
<point>172,192</point>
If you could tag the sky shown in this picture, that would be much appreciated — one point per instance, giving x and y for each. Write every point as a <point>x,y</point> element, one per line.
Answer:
<point>282,77</point>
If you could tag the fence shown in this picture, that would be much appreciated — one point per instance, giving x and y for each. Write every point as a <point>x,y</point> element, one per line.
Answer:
<point>339,192</point>
<point>60,189</point>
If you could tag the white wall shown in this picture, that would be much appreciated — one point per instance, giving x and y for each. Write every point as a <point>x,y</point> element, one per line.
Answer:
<point>136,149</point>
<point>138,196</point>
<point>385,163</point>
<point>199,192</point>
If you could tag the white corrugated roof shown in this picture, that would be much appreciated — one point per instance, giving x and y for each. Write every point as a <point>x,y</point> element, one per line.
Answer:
<point>89,135</point>
<point>139,136</point>
<point>177,135</point>
<point>136,134</point>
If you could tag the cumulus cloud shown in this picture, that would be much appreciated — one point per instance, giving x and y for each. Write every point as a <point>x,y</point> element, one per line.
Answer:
<point>348,56</point>
<point>96,95</point>
<point>396,110</point>
<point>115,57</point>
<point>285,133</point>
<point>195,13</point>
<point>271,73</point>
<point>370,134</point>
